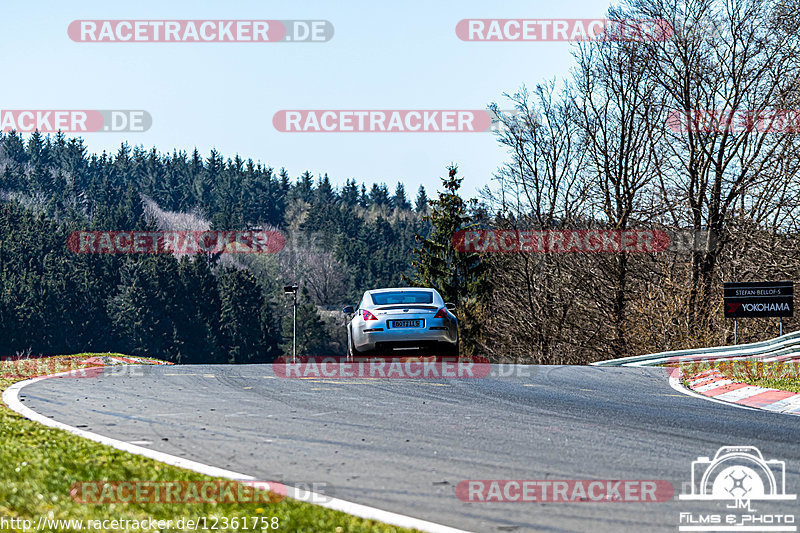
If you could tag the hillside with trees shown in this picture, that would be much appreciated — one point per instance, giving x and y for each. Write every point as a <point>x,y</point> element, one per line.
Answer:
<point>191,309</point>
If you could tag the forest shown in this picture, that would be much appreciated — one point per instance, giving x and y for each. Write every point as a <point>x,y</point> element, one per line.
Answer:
<point>186,308</point>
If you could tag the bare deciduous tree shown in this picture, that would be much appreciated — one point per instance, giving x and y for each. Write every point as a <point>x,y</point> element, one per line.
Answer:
<point>625,145</point>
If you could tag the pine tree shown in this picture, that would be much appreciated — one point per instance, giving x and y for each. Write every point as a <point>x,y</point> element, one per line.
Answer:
<point>350,193</point>
<point>241,302</point>
<point>200,311</point>
<point>325,195</point>
<point>458,276</point>
<point>271,330</point>
<point>138,311</point>
<point>399,200</point>
<point>304,189</point>
<point>379,195</point>
<point>421,204</point>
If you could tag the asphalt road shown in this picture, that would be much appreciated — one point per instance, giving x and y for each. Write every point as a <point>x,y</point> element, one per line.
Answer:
<point>403,445</point>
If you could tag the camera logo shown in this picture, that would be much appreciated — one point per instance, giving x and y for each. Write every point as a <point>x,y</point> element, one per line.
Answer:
<point>738,473</point>
<point>736,477</point>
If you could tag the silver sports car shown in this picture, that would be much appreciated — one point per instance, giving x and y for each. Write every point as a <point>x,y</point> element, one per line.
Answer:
<point>401,321</point>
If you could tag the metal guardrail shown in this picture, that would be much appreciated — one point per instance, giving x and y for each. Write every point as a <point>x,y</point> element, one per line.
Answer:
<point>788,345</point>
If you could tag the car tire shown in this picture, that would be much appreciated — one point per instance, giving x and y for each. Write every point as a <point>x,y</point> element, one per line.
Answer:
<point>453,349</point>
<point>352,351</point>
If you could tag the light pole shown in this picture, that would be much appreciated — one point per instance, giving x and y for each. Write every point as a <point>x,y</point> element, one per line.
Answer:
<point>292,289</point>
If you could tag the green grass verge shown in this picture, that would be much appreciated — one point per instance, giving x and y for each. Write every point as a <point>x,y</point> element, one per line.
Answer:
<point>39,464</point>
<point>772,375</point>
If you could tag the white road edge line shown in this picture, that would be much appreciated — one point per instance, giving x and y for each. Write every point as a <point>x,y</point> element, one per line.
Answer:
<point>11,399</point>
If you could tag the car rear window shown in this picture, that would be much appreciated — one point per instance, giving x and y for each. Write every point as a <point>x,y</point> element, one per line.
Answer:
<point>404,297</point>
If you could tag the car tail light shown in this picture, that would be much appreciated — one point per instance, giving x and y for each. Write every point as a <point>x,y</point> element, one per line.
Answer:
<point>441,313</point>
<point>367,315</point>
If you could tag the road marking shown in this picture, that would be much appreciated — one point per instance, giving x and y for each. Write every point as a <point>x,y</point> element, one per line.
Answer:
<point>527,385</point>
<point>246,388</point>
<point>208,375</point>
<point>11,398</point>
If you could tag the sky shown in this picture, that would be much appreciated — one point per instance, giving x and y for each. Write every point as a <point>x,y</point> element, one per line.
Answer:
<point>383,55</point>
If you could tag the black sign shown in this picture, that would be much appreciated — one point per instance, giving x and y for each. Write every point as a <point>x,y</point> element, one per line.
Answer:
<point>758,299</point>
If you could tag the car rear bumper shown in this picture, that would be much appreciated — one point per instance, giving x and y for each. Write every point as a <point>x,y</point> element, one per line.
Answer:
<point>405,338</point>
